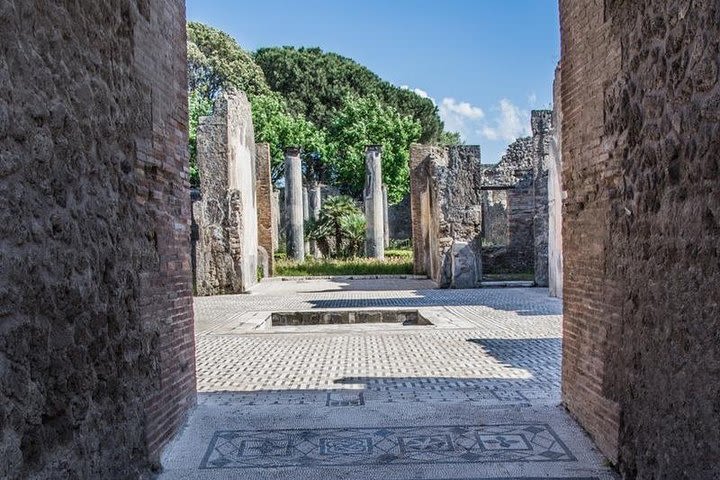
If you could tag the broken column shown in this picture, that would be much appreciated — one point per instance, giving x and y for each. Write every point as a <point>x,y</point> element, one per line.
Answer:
<point>386,224</point>
<point>373,195</point>
<point>294,205</point>
<point>265,212</point>
<point>226,250</point>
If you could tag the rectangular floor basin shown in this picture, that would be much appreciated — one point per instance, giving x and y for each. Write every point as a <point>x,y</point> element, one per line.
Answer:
<point>348,317</point>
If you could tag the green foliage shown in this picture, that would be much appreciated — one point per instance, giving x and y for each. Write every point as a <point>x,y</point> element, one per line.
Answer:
<point>340,228</point>
<point>216,61</point>
<point>349,266</point>
<point>198,106</point>
<point>316,83</point>
<point>364,121</point>
<point>450,138</point>
<point>280,129</point>
<point>354,226</point>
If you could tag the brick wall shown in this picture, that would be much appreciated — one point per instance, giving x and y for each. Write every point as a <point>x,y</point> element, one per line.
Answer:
<point>265,210</point>
<point>95,305</point>
<point>641,224</point>
<point>589,58</point>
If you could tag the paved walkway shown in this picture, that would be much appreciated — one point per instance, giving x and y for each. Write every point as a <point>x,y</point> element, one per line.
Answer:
<point>475,395</point>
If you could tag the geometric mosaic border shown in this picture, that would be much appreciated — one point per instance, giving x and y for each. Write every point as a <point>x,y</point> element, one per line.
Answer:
<point>514,443</point>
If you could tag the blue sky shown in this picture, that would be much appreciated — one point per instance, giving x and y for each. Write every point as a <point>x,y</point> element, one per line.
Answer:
<point>485,63</point>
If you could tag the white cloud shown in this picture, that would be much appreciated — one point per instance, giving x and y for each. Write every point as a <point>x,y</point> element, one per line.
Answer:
<point>462,109</point>
<point>510,123</point>
<point>462,117</point>
<point>532,99</point>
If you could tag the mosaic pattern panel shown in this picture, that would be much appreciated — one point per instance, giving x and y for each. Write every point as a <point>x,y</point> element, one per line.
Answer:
<point>389,445</point>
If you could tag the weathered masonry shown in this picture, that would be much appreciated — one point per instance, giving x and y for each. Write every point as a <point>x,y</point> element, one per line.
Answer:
<point>640,146</point>
<point>226,215</point>
<point>97,366</point>
<point>266,221</point>
<point>469,218</point>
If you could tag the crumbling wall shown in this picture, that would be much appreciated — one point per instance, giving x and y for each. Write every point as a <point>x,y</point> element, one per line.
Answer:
<point>495,218</point>
<point>266,223</point>
<point>640,129</point>
<point>447,214</point>
<point>96,347</point>
<point>227,246</point>
<point>514,176</point>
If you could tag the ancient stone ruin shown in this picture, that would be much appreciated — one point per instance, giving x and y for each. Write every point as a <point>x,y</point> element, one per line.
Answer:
<point>469,218</point>
<point>226,214</point>
<point>97,357</point>
<point>447,214</point>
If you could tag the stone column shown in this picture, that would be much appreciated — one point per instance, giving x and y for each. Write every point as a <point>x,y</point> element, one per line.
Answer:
<point>306,216</point>
<point>294,204</point>
<point>374,236</point>
<point>315,205</point>
<point>276,219</point>
<point>386,223</point>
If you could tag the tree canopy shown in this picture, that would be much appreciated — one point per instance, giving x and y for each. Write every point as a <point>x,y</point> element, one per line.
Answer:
<point>215,61</point>
<point>328,105</point>
<point>315,84</point>
<point>363,121</point>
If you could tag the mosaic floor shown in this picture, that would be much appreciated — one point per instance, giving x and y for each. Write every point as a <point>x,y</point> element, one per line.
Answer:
<point>474,396</point>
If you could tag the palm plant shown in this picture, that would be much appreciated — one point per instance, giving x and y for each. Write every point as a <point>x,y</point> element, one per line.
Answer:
<point>354,225</point>
<point>342,222</point>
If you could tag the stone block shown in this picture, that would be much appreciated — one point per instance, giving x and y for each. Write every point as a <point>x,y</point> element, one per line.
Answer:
<point>227,246</point>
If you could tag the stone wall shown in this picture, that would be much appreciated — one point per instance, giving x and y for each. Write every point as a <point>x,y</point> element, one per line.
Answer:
<point>640,129</point>
<point>399,220</point>
<point>97,362</point>
<point>495,219</point>
<point>513,176</point>
<point>555,195</point>
<point>447,214</point>
<point>266,223</point>
<point>227,245</point>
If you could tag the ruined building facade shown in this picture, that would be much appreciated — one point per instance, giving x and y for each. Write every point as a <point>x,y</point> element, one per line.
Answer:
<point>226,214</point>
<point>470,219</point>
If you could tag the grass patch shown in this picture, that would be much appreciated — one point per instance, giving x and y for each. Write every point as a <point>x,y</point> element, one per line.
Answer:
<point>404,253</point>
<point>392,265</point>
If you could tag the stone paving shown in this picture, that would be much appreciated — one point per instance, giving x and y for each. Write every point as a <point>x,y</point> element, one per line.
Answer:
<point>475,395</point>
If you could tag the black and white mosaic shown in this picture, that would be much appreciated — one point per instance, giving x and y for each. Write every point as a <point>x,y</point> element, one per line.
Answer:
<point>385,446</point>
